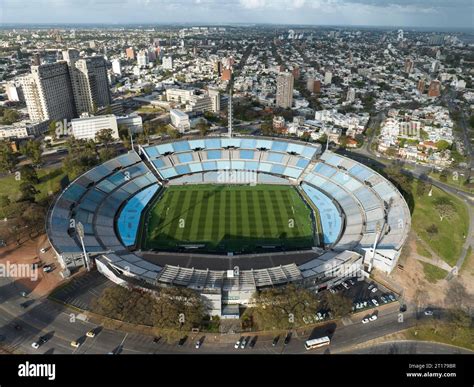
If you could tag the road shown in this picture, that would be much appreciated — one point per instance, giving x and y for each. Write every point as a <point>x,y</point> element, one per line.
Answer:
<point>61,326</point>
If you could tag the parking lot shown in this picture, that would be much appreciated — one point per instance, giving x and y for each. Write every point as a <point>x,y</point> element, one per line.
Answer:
<point>365,294</point>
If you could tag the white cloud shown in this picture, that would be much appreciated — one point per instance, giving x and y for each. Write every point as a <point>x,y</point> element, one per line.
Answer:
<point>253,4</point>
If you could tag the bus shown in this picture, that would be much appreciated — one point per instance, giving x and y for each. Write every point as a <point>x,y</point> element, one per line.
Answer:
<point>317,343</point>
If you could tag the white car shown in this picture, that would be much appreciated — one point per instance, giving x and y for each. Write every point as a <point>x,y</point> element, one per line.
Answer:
<point>365,320</point>
<point>42,251</point>
<point>91,333</point>
<point>345,285</point>
<point>237,344</point>
<point>75,344</point>
<point>35,345</point>
<point>373,317</point>
<point>374,290</point>
<point>371,286</point>
<point>374,301</point>
<point>332,290</point>
<point>47,269</point>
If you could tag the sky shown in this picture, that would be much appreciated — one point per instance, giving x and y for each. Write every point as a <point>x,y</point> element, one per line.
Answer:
<point>414,13</point>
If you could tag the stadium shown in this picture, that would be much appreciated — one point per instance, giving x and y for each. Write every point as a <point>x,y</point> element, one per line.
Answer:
<point>227,216</point>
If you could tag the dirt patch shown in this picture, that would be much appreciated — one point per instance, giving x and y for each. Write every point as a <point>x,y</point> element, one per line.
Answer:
<point>416,289</point>
<point>39,283</point>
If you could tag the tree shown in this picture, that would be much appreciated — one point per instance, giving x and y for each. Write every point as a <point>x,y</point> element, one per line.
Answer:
<point>339,304</point>
<point>105,137</point>
<point>203,128</point>
<point>422,188</point>
<point>282,307</point>
<point>28,192</point>
<point>32,150</point>
<point>10,116</point>
<point>52,129</point>
<point>443,145</point>
<point>445,208</point>
<point>432,231</point>
<point>28,174</point>
<point>8,160</point>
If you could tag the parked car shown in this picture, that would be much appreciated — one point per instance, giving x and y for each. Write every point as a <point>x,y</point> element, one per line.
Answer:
<point>374,290</point>
<point>47,268</point>
<point>91,333</point>
<point>384,300</point>
<point>156,340</point>
<point>75,344</point>
<point>373,317</point>
<point>371,286</point>
<point>35,345</point>
<point>287,339</point>
<point>392,298</point>
<point>23,294</point>
<point>237,344</point>
<point>199,343</point>
<point>182,340</point>
<point>365,320</point>
<point>43,250</point>
<point>428,312</point>
<point>253,342</point>
<point>332,290</point>
<point>244,342</point>
<point>351,282</point>
<point>275,341</point>
<point>374,301</point>
<point>345,285</point>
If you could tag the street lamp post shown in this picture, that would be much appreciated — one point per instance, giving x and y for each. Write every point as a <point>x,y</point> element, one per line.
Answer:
<point>80,233</point>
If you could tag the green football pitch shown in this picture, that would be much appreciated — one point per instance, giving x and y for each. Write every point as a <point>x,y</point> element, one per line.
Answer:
<point>225,219</point>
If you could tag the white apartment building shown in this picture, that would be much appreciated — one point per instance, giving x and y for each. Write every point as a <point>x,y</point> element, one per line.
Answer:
<point>86,128</point>
<point>180,120</point>
<point>142,58</point>
<point>14,91</point>
<point>328,78</point>
<point>168,63</point>
<point>116,67</point>
<point>134,122</point>
<point>48,92</point>
<point>181,96</point>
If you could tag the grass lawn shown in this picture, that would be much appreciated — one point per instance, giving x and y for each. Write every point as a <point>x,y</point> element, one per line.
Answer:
<point>49,182</point>
<point>447,333</point>
<point>468,264</point>
<point>433,273</point>
<point>423,251</point>
<point>229,218</point>
<point>451,180</point>
<point>448,242</point>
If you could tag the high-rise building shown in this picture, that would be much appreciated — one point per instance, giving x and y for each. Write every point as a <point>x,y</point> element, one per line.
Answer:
<point>90,83</point>
<point>226,74</point>
<point>116,67</point>
<point>434,66</point>
<point>48,92</point>
<point>409,64</point>
<point>421,86</point>
<point>284,96</point>
<point>328,78</point>
<point>142,58</point>
<point>434,89</point>
<point>168,63</point>
<point>296,72</point>
<point>351,93</point>
<point>36,59</point>
<point>313,85</point>
<point>130,53</point>
<point>14,91</point>
<point>216,100</point>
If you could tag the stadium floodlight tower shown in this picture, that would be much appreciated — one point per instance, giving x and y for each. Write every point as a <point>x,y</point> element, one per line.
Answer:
<point>378,229</point>
<point>230,112</point>
<point>80,233</point>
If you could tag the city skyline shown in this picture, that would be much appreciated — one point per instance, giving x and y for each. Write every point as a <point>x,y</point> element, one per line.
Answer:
<point>403,13</point>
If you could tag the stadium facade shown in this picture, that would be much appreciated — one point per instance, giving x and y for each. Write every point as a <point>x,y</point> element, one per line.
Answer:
<point>365,220</point>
